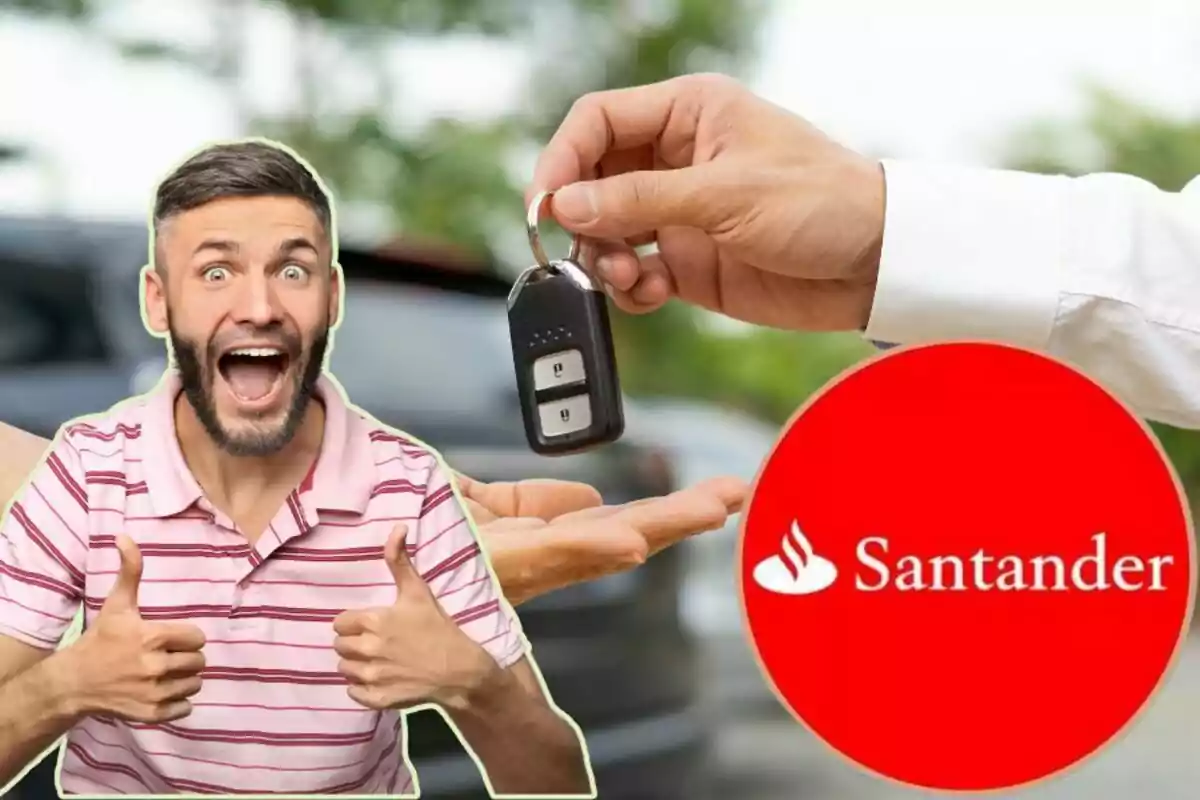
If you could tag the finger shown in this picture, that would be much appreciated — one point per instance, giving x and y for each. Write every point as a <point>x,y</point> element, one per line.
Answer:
<point>603,122</point>
<point>354,670</point>
<point>655,284</point>
<point>651,287</point>
<point>465,483</point>
<point>676,517</point>
<point>516,524</point>
<point>729,489</point>
<point>560,554</point>
<point>184,664</point>
<point>359,647</point>
<point>586,515</point>
<point>479,514</point>
<point>123,597</point>
<point>541,498</point>
<point>174,689</point>
<point>396,556</point>
<point>468,487</point>
<point>353,622</point>
<point>616,264</point>
<point>368,697</point>
<point>618,162</point>
<point>627,205</point>
<point>169,712</point>
<point>177,637</point>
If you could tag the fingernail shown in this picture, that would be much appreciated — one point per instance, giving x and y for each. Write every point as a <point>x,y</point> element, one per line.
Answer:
<point>575,203</point>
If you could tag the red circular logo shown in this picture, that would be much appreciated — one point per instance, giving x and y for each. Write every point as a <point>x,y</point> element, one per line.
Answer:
<point>966,567</point>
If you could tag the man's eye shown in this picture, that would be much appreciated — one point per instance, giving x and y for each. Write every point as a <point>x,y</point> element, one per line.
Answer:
<point>293,272</point>
<point>216,274</point>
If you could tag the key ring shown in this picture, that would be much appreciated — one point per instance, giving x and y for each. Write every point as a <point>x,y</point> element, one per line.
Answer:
<point>535,239</point>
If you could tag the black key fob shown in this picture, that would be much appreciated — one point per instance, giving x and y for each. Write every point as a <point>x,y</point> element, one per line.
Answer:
<point>563,355</point>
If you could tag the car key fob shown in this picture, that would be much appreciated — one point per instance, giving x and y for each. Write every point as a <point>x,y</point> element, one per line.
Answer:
<point>563,354</point>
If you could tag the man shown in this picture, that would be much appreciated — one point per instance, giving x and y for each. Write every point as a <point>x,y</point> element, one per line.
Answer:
<point>760,216</point>
<point>269,577</point>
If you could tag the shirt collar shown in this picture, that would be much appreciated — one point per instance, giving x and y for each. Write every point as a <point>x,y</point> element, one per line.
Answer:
<point>341,479</point>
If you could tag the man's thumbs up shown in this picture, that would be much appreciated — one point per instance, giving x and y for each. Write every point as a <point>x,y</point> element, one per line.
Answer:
<point>123,597</point>
<point>394,553</point>
<point>411,651</point>
<point>134,668</point>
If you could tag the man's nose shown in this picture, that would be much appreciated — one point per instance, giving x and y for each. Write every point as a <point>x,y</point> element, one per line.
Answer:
<point>256,303</point>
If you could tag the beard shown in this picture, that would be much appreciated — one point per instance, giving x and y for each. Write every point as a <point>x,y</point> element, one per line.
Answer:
<point>198,367</point>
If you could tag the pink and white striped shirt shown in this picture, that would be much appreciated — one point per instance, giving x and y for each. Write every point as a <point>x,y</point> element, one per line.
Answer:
<point>273,715</point>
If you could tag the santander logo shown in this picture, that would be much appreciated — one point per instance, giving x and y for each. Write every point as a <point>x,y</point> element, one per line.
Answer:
<point>1000,601</point>
<point>798,570</point>
<point>793,572</point>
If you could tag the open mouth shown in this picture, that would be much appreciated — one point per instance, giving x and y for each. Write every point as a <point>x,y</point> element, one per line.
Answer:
<point>254,375</point>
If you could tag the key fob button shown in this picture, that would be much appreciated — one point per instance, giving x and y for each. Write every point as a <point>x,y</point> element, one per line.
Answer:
<point>559,369</point>
<point>561,417</point>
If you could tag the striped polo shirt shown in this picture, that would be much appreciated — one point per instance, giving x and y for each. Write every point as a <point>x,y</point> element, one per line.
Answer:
<point>273,714</point>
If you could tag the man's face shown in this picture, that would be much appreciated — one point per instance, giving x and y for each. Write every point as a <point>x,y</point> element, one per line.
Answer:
<point>248,295</point>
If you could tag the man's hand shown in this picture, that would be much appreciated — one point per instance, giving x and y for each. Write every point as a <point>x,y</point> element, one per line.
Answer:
<point>756,213</point>
<point>542,535</point>
<point>126,666</point>
<point>411,652</point>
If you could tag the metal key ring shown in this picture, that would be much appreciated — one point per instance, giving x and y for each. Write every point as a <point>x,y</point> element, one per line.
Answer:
<point>535,240</point>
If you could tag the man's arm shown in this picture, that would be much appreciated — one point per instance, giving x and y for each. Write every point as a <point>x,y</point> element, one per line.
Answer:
<point>1101,271</point>
<point>42,551</point>
<point>525,745</point>
<point>36,708</point>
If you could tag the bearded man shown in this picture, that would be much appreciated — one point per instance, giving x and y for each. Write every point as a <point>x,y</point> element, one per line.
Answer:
<point>269,577</point>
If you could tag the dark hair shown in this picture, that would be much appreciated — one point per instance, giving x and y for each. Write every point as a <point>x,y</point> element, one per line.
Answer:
<point>250,168</point>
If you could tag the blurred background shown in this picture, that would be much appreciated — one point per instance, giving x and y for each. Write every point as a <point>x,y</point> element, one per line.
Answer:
<point>424,116</point>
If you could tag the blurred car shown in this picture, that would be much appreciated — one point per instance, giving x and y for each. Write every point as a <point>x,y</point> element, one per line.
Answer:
<point>426,350</point>
<point>705,441</point>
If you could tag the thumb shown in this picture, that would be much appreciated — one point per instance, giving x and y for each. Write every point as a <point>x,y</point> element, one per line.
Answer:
<point>634,203</point>
<point>124,594</point>
<point>396,556</point>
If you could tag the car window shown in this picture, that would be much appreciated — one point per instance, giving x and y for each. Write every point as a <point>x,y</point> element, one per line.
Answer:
<point>46,319</point>
<point>422,348</point>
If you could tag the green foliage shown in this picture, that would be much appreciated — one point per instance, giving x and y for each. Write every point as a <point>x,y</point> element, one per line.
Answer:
<point>416,17</point>
<point>453,180</point>
<point>450,180</point>
<point>1116,134</point>
<point>71,10</point>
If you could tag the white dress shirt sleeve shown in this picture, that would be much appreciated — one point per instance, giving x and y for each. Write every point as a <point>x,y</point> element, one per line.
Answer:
<point>1100,271</point>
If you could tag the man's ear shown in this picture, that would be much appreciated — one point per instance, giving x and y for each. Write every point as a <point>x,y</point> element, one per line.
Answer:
<point>335,294</point>
<point>154,301</point>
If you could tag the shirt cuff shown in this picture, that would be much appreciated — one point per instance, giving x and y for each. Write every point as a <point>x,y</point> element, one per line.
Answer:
<point>969,253</point>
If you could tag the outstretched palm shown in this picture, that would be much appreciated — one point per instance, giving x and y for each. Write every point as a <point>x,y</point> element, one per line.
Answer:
<point>542,535</point>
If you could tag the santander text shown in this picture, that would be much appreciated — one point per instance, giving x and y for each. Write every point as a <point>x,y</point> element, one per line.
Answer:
<point>1007,573</point>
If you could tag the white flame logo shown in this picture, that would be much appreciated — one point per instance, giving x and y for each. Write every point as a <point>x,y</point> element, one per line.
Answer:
<point>802,572</point>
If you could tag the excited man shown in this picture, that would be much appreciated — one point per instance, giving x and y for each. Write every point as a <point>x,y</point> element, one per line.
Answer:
<point>217,530</point>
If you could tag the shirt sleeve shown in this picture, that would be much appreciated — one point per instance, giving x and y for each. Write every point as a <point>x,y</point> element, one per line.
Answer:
<point>43,551</point>
<point>1100,271</point>
<point>449,558</point>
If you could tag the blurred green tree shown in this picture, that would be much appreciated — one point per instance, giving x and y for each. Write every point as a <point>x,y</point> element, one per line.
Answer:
<point>1117,134</point>
<point>461,181</point>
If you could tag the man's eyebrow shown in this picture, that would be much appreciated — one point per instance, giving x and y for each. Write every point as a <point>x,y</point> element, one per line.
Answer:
<point>286,246</point>
<point>297,243</point>
<point>223,245</point>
